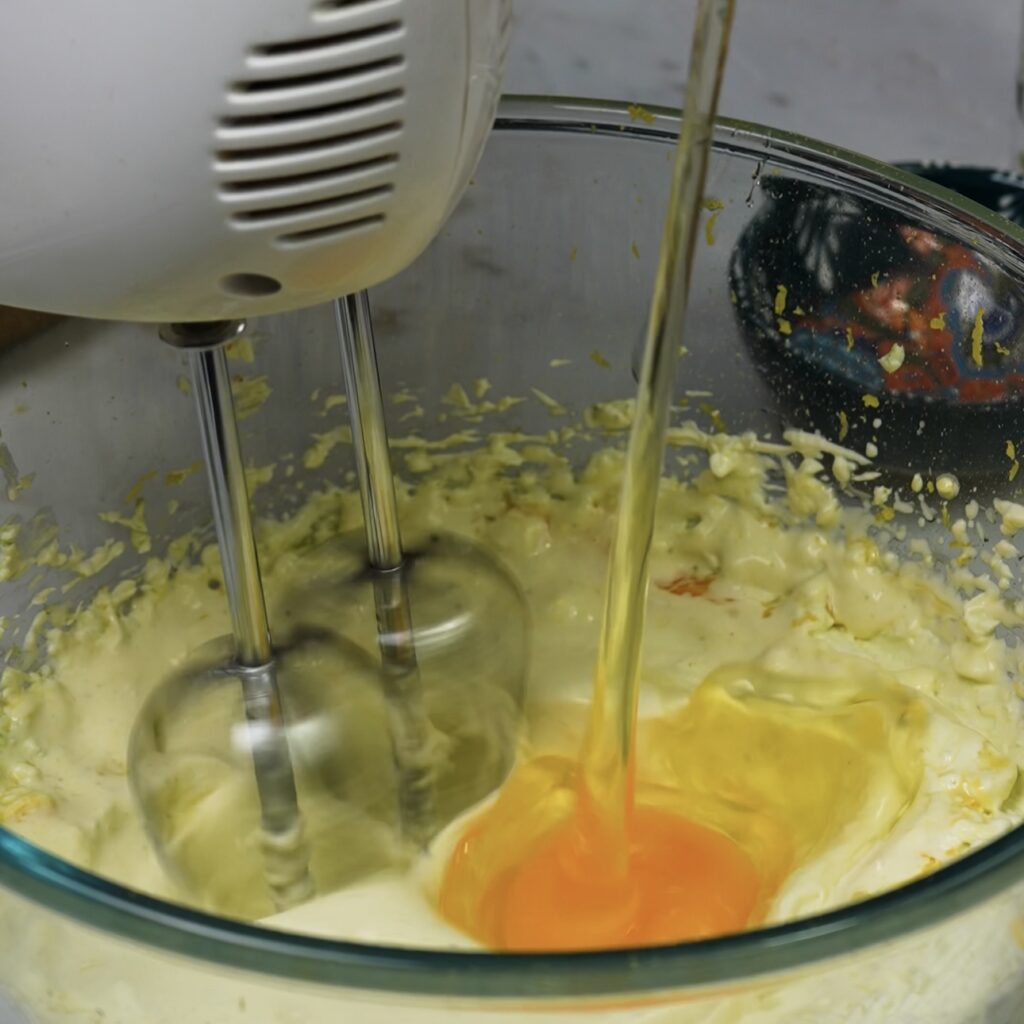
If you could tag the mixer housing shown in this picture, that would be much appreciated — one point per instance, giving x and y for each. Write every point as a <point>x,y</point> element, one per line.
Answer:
<point>193,161</point>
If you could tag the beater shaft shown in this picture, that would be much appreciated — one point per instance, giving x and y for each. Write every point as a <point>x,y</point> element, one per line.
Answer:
<point>412,732</point>
<point>284,845</point>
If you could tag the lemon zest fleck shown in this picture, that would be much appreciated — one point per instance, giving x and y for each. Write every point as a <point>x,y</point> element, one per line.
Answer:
<point>893,359</point>
<point>177,476</point>
<point>129,498</point>
<point>553,406</point>
<point>715,416</point>
<point>709,229</point>
<point>638,113</point>
<point>977,334</point>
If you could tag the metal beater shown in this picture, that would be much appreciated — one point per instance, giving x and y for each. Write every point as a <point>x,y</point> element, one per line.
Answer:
<point>336,746</point>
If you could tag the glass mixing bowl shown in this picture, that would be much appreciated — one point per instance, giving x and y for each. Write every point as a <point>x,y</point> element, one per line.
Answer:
<point>550,254</point>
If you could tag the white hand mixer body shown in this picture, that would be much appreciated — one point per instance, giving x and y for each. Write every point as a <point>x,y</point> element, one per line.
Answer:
<point>193,163</point>
<point>186,161</point>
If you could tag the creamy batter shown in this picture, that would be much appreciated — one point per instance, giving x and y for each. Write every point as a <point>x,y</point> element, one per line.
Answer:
<point>799,603</point>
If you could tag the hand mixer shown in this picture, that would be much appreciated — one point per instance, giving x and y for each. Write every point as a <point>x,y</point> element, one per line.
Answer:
<point>193,165</point>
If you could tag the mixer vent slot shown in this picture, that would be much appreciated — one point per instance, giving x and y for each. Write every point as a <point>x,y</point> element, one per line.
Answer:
<point>299,84</point>
<point>326,8</point>
<point>309,149</point>
<point>332,42</point>
<point>295,183</point>
<point>332,204</point>
<point>312,114</point>
<point>308,145</point>
<point>330,231</point>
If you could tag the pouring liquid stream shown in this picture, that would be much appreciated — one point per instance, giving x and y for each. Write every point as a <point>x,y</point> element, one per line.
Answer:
<point>608,758</point>
<point>614,872</point>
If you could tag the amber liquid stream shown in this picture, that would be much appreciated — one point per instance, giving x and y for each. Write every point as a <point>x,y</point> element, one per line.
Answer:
<point>610,871</point>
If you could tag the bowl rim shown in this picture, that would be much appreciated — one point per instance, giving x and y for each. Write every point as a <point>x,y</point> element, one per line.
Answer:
<point>42,878</point>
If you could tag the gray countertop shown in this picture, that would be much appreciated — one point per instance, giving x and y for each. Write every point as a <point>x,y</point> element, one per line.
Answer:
<point>897,79</point>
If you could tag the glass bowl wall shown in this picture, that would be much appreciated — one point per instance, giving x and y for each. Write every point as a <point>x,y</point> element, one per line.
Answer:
<point>549,257</point>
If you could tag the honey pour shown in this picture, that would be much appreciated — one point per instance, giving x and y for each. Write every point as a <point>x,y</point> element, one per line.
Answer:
<point>597,869</point>
<point>578,854</point>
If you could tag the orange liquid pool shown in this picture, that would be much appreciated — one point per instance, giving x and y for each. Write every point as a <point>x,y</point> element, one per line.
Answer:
<point>731,794</point>
<point>578,887</point>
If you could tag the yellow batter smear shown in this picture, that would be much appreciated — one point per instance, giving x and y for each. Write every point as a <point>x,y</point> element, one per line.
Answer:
<point>807,643</point>
<point>250,393</point>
